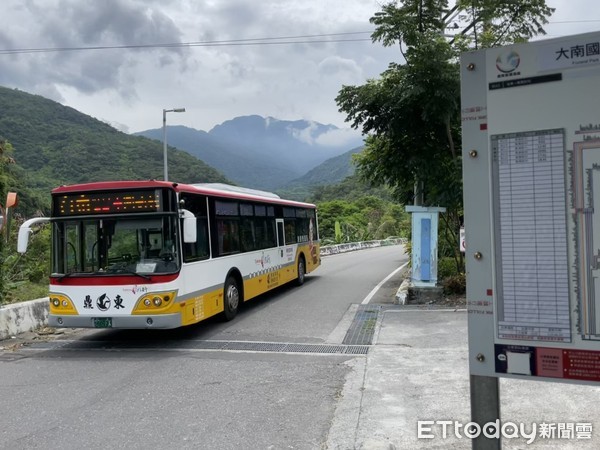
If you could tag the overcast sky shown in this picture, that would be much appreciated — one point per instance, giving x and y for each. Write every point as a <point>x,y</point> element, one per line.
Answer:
<point>129,88</point>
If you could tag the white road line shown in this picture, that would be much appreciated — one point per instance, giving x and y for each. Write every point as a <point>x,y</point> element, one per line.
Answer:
<point>376,288</point>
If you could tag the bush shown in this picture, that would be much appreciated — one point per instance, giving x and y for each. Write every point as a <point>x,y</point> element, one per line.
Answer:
<point>25,291</point>
<point>25,277</point>
<point>446,268</point>
<point>455,285</point>
<point>453,282</point>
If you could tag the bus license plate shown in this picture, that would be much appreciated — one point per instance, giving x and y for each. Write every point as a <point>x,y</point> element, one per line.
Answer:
<point>103,322</point>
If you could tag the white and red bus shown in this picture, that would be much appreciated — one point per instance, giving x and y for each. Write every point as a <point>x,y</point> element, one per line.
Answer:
<point>156,254</point>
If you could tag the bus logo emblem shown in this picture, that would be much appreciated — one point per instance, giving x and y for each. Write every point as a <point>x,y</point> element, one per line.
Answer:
<point>103,303</point>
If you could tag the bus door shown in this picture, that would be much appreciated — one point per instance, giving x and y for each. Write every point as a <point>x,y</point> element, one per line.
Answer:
<point>285,242</point>
<point>280,239</point>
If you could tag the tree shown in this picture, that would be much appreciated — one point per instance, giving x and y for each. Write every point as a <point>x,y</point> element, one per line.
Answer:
<point>411,114</point>
<point>21,277</point>
<point>365,218</point>
<point>5,160</point>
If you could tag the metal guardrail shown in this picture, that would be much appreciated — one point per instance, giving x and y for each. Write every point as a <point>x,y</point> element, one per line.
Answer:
<point>353,246</point>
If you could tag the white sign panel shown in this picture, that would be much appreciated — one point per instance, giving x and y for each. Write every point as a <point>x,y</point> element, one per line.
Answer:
<point>532,206</point>
<point>569,54</point>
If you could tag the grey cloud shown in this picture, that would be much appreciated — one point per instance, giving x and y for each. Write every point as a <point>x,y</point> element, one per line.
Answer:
<point>118,22</point>
<point>243,19</point>
<point>166,60</point>
<point>93,72</point>
<point>233,18</point>
<point>5,40</point>
<point>65,23</point>
<point>238,70</point>
<point>336,66</point>
<point>47,90</point>
<point>240,15</point>
<point>30,76</point>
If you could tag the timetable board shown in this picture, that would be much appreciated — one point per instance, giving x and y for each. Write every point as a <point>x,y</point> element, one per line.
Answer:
<point>531,245</point>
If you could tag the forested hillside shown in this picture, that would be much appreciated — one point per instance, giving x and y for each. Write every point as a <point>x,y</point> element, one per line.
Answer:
<point>54,145</point>
<point>362,212</point>
<point>334,170</point>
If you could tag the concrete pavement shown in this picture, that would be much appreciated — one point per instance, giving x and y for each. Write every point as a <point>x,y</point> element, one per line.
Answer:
<point>418,371</point>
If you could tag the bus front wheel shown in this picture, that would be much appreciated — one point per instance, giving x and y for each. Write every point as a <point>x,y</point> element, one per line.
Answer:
<point>231,298</point>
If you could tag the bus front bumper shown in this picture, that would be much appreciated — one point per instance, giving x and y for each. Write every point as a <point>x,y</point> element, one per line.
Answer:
<point>142,321</point>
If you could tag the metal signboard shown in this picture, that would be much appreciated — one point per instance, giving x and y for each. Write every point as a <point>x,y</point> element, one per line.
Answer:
<point>531,164</point>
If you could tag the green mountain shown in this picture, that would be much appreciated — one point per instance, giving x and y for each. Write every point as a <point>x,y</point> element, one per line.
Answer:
<point>54,145</point>
<point>350,189</point>
<point>330,172</point>
<point>238,165</point>
<point>261,152</point>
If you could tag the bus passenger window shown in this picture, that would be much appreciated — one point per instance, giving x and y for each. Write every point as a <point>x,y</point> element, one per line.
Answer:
<point>198,250</point>
<point>265,233</point>
<point>228,236</point>
<point>290,231</point>
<point>302,230</point>
<point>248,233</point>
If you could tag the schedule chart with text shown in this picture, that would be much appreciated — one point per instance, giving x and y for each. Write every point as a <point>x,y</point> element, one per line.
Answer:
<point>529,206</point>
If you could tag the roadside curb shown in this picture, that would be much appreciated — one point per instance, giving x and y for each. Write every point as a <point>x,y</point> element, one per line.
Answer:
<point>402,292</point>
<point>22,317</point>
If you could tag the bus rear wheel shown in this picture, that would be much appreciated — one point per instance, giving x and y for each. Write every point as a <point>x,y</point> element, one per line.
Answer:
<point>231,298</point>
<point>301,271</point>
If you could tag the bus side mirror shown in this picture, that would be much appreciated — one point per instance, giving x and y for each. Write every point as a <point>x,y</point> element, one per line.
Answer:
<point>25,230</point>
<point>189,227</point>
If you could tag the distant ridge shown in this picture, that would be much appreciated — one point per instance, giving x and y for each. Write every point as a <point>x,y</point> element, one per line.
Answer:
<point>259,152</point>
<point>332,171</point>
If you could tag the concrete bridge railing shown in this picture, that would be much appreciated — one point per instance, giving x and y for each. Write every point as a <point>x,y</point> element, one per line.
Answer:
<point>353,246</point>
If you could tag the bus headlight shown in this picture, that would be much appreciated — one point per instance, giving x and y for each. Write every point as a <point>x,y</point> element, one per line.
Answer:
<point>155,302</point>
<point>61,304</point>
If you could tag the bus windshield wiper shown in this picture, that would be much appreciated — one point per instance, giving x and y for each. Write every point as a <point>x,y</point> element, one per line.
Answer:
<point>131,272</point>
<point>60,276</point>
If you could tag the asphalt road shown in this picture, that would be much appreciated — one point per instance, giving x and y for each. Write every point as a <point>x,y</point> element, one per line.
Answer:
<point>141,389</point>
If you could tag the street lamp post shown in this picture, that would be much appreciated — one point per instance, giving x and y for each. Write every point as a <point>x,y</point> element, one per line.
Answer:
<point>165,111</point>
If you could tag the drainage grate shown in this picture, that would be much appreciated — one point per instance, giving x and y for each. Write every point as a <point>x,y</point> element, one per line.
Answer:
<point>244,346</point>
<point>248,346</point>
<point>283,347</point>
<point>362,329</point>
<point>357,349</point>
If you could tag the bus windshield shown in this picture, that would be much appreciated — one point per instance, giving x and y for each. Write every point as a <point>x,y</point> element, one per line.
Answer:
<point>112,245</point>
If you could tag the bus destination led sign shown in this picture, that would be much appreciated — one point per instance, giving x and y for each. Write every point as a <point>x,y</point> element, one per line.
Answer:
<point>108,202</point>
